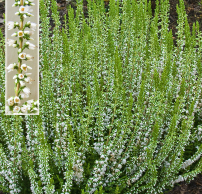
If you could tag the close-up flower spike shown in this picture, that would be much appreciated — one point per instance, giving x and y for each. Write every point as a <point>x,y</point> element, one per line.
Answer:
<point>21,91</point>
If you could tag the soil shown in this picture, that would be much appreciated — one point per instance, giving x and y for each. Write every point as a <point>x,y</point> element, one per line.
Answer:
<point>194,13</point>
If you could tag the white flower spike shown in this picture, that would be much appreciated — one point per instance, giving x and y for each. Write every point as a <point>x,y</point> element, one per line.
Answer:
<point>22,77</point>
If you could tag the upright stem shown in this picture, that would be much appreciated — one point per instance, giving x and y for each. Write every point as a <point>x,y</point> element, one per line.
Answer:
<point>21,42</point>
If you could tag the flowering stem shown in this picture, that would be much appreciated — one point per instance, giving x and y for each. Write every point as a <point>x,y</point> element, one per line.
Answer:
<point>21,42</point>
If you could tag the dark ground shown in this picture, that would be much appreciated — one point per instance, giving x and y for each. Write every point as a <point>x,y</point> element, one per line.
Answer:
<point>194,12</point>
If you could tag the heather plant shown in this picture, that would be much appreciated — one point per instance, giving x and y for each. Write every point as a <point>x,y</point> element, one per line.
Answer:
<point>120,104</point>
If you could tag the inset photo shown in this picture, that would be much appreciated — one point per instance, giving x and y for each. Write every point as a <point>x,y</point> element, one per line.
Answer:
<point>22,58</point>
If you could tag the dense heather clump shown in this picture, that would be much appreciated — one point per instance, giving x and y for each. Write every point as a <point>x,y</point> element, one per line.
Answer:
<point>120,105</point>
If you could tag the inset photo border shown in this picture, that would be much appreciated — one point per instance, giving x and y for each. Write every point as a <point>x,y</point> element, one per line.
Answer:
<point>22,57</point>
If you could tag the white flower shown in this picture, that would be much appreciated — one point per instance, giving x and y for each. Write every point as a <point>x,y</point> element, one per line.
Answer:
<point>14,5</point>
<point>16,109</point>
<point>11,67</point>
<point>11,42</point>
<point>24,67</point>
<point>10,101</point>
<point>26,90</point>
<point>29,32</point>
<point>17,99</point>
<point>24,109</point>
<point>10,25</point>
<point>124,161</point>
<point>28,107</point>
<point>30,45</point>
<point>22,55</point>
<point>15,76</point>
<point>20,33</point>
<point>22,83</point>
<point>29,57</point>
<point>119,166</point>
<point>23,9</point>
<point>14,45</point>
<point>29,102</point>
<point>200,128</point>
<point>23,95</point>
<point>28,74</point>
<point>36,103</point>
<point>14,34</point>
<point>20,76</point>
<point>33,26</point>
<point>29,80</point>
<point>29,14</point>
<point>17,13</point>
<point>35,108</point>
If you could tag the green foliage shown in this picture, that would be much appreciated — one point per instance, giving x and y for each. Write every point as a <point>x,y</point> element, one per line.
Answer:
<point>120,104</point>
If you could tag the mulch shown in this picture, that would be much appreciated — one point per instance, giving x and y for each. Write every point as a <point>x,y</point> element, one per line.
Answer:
<point>194,13</point>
